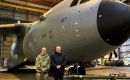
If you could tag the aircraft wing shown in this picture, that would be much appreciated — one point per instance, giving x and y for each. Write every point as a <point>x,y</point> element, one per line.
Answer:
<point>13,25</point>
<point>9,29</point>
<point>8,26</point>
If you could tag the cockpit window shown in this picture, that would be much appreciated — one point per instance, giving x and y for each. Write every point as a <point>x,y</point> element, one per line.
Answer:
<point>74,2</point>
<point>83,1</point>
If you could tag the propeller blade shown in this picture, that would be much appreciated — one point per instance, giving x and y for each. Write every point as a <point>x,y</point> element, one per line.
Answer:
<point>110,56</point>
<point>115,53</point>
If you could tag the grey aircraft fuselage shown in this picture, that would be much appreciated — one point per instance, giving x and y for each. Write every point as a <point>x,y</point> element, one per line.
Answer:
<point>79,29</point>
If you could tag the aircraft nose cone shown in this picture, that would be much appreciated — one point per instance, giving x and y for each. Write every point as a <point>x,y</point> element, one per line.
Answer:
<point>113,22</point>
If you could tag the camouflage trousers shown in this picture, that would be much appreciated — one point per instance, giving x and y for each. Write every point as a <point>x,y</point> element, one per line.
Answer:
<point>41,76</point>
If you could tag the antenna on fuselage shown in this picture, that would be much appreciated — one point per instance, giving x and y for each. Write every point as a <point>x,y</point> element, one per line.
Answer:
<point>42,17</point>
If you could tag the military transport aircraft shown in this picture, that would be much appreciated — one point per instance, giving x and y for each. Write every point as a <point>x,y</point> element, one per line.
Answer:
<point>86,29</point>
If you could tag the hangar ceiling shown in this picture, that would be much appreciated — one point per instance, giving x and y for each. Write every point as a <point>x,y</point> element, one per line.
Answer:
<point>43,1</point>
<point>48,3</point>
<point>31,5</point>
<point>35,5</point>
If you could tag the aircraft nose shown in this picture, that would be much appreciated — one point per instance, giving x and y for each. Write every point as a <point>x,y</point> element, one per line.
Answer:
<point>113,22</point>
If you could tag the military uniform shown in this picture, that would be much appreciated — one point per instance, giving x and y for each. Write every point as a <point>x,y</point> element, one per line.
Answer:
<point>42,61</point>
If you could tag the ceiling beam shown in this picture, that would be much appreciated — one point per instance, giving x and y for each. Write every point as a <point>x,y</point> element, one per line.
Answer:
<point>22,7</point>
<point>22,3</point>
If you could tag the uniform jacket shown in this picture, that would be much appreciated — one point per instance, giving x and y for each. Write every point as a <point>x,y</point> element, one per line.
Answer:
<point>42,61</point>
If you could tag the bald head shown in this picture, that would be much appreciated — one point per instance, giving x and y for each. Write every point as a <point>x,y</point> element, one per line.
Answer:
<point>58,49</point>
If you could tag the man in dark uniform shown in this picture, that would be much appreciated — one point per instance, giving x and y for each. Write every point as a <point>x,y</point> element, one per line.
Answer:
<point>58,61</point>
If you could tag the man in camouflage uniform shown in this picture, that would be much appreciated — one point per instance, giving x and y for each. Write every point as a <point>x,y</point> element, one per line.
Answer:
<point>42,65</point>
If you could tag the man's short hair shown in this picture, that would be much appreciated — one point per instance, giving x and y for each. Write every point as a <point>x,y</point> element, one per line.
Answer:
<point>43,47</point>
<point>58,46</point>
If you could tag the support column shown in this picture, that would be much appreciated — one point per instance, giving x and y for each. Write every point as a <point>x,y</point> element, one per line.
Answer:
<point>119,54</point>
<point>1,55</point>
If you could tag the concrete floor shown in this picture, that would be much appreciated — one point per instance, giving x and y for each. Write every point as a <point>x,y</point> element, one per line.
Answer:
<point>106,70</point>
<point>19,75</point>
<point>30,74</point>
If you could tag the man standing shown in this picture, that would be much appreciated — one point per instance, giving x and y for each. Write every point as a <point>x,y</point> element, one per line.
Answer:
<point>42,65</point>
<point>58,61</point>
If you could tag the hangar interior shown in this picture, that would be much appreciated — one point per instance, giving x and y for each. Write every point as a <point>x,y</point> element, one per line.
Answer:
<point>123,53</point>
<point>19,11</point>
<point>25,11</point>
